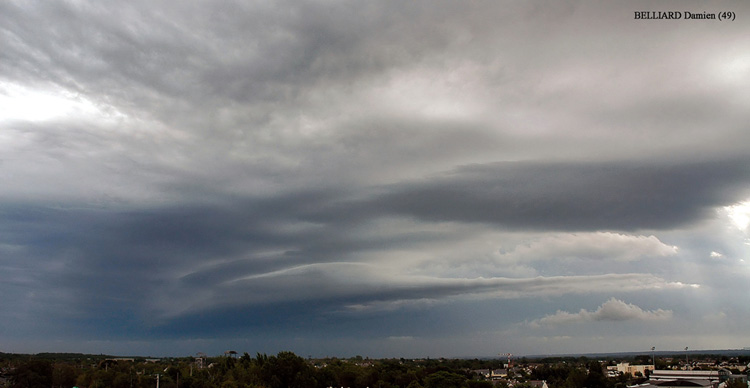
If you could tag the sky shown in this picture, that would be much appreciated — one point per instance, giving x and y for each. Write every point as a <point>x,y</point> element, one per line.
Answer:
<point>384,179</point>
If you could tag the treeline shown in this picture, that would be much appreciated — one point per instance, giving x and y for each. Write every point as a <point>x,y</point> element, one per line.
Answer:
<point>284,370</point>
<point>287,370</point>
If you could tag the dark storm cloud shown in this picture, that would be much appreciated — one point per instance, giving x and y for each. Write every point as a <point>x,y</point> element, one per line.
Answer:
<point>116,260</point>
<point>106,261</point>
<point>566,196</point>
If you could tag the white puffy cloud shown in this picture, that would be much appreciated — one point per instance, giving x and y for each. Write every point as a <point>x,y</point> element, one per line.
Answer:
<point>611,310</point>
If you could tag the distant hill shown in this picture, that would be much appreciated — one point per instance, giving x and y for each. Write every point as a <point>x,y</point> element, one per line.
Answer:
<point>60,356</point>
<point>662,353</point>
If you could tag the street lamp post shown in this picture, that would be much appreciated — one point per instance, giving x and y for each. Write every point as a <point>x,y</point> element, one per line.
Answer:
<point>653,357</point>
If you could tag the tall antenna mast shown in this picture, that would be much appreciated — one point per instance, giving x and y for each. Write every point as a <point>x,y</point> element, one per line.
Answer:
<point>509,355</point>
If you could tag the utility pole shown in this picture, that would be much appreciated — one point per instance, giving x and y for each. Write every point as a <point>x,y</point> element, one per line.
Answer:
<point>686,358</point>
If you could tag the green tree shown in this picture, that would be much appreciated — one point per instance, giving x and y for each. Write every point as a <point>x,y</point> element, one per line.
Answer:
<point>32,374</point>
<point>595,378</point>
<point>445,379</point>
<point>479,384</point>
<point>287,370</point>
<point>122,380</point>
<point>64,375</point>
<point>735,383</point>
<point>576,379</point>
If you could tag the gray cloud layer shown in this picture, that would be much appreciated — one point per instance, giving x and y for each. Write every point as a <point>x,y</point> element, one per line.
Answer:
<point>184,170</point>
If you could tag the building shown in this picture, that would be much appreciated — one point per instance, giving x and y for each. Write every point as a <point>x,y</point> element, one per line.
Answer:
<point>633,370</point>
<point>686,378</point>
<point>538,383</point>
<point>714,376</point>
<point>494,374</point>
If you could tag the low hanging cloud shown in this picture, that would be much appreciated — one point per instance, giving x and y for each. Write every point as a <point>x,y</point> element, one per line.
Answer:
<point>363,287</point>
<point>593,246</point>
<point>612,310</point>
<point>556,196</point>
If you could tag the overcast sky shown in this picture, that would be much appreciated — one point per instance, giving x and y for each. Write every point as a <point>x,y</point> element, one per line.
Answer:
<point>380,178</point>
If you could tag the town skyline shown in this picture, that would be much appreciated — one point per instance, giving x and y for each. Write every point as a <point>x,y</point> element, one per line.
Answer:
<point>725,369</point>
